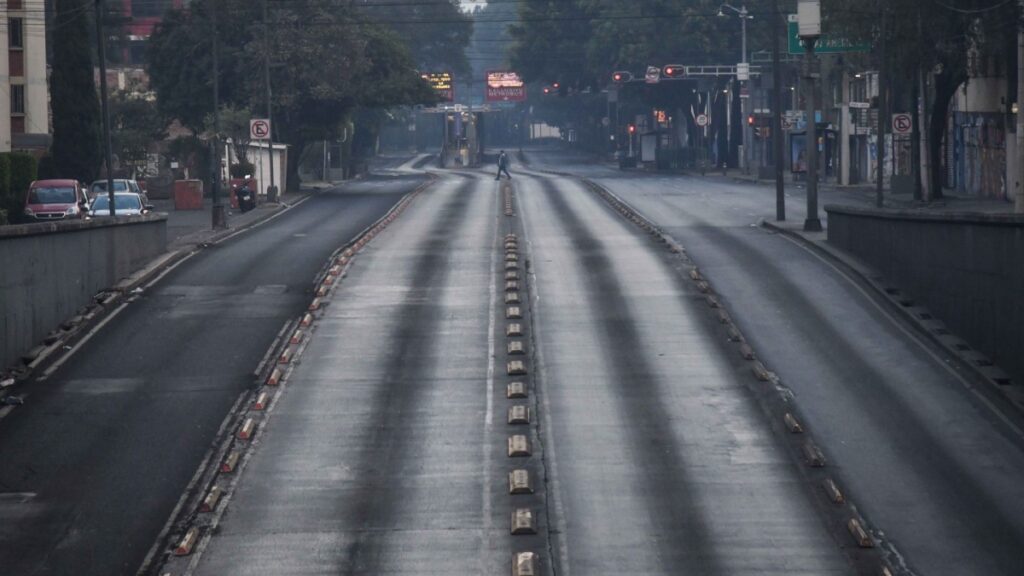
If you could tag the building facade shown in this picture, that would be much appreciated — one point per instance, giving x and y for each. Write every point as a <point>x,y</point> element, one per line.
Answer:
<point>24,94</point>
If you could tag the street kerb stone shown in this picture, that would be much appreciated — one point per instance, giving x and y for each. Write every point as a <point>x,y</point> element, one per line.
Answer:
<point>515,347</point>
<point>863,539</point>
<point>514,329</point>
<point>524,564</point>
<point>262,400</point>
<point>512,298</point>
<point>230,462</point>
<point>515,390</point>
<point>518,415</point>
<point>833,491</point>
<point>516,368</point>
<point>511,275</point>
<point>513,313</point>
<point>511,286</point>
<point>523,522</point>
<point>518,446</point>
<point>519,482</point>
<point>792,424</point>
<point>247,430</point>
<point>813,455</point>
<point>187,542</point>
<point>211,499</point>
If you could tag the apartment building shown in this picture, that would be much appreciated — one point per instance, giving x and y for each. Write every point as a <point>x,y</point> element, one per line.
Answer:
<point>24,95</point>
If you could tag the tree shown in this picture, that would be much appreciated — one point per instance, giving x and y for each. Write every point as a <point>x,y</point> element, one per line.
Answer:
<point>932,44</point>
<point>326,60</point>
<point>435,32</point>
<point>136,126</point>
<point>74,102</point>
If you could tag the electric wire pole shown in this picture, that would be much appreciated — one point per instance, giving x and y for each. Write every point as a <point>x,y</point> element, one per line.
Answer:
<point>219,216</point>
<point>883,116</point>
<point>780,184</point>
<point>101,54</point>
<point>1018,205</point>
<point>271,188</point>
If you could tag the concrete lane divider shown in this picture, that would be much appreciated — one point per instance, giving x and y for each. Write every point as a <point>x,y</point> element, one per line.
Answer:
<point>335,270</point>
<point>297,337</point>
<point>211,499</point>
<point>511,275</point>
<point>518,446</point>
<point>761,373</point>
<point>187,542</point>
<point>734,334</point>
<point>511,265</point>
<point>813,455</point>
<point>515,390</point>
<point>833,491</point>
<point>511,285</point>
<point>519,482</point>
<point>511,257</point>
<point>524,564</point>
<point>307,320</point>
<point>518,415</point>
<point>515,368</point>
<point>247,430</point>
<point>515,347</point>
<point>230,462</point>
<point>723,316</point>
<point>514,329</point>
<point>792,424</point>
<point>286,356</point>
<point>275,377</point>
<point>703,287</point>
<point>712,301</point>
<point>315,304</point>
<point>523,522</point>
<point>746,351</point>
<point>513,313</point>
<point>261,401</point>
<point>512,298</point>
<point>863,539</point>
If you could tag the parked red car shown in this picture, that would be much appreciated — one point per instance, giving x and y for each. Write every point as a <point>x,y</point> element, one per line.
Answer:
<point>56,200</point>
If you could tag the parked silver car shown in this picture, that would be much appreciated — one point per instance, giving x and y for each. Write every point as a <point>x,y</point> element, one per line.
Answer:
<point>125,204</point>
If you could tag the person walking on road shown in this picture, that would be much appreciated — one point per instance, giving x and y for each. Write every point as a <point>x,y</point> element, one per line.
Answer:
<point>503,166</point>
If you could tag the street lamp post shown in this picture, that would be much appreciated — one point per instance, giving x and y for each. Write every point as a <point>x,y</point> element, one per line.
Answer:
<point>809,21</point>
<point>742,74</point>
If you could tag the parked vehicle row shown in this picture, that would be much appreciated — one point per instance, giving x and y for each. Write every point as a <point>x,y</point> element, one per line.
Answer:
<point>63,199</point>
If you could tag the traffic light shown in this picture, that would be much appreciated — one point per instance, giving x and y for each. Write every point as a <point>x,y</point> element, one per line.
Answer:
<point>556,85</point>
<point>757,132</point>
<point>547,90</point>
<point>621,77</point>
<point>631,129</point>
<point>750,120</point>
<point>674,71</point>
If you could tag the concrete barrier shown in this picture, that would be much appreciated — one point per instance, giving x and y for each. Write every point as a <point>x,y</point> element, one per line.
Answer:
<point>50,270</point>
<point>967,269</point>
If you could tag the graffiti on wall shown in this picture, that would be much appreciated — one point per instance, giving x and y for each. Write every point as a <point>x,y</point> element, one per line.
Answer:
<point>980,140</point>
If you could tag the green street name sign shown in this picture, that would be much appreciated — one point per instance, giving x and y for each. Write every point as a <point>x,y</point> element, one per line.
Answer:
<point>825,45</point>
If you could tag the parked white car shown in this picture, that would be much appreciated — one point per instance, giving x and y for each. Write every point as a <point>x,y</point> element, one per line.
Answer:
<point>125,204</point>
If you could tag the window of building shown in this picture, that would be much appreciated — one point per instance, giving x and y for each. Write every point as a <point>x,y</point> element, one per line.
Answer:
<point>15,33</point>
<point>17,99</point>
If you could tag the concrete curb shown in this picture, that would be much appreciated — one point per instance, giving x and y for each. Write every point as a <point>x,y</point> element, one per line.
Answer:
<point>932,331</point>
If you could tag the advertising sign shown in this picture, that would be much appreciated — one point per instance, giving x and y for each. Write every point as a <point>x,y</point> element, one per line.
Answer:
<point>442,84</point>
<point>503,86</point>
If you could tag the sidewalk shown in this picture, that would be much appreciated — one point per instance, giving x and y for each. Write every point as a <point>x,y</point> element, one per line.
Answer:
<point>863,196</point>
<point>190,228</point>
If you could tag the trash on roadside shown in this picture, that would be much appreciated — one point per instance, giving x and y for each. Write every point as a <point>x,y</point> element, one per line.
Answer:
<point>6,382</point>
<point>12,401</point>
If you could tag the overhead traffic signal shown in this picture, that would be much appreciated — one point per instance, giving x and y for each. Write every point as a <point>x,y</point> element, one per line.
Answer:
<point>631,128</point>
<point>750,120</point>
<point>674,71</point>
<point>621,77</point>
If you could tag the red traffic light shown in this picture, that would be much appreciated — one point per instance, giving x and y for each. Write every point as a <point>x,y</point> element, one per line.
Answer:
<point>556,85</point>
<point>631,128</point>
<point>620,77</point>
<point>674,71</point>
<point>750,120</point>
<point>547,90</point>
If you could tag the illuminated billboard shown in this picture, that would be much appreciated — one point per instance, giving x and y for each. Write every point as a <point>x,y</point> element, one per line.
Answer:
<point>505,87</point>
<point>442,84</point>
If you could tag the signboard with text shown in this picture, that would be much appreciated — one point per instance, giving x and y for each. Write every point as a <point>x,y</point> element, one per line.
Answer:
<point>442,84</point>
<point>504,86</point>
<point>826,44</point>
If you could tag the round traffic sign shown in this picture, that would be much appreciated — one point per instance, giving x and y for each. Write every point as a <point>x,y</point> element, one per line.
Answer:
<point>259,129</point>
<point>902,123</point>
<point>702,120</point>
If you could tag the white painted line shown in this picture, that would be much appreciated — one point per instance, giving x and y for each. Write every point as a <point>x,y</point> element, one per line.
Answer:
<point>78,345</point>
<point>487,530</point>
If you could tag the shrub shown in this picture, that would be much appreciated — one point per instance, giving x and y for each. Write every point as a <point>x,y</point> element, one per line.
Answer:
<point>48,169</point>
<point>24,169</point>
<point>10,202</point>
<point>242,169</point>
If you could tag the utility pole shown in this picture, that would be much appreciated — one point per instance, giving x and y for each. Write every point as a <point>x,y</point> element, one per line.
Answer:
<point>271,189</point>
<point>780,184</point>
<point>101,52</point>
<point>219,215</point>
<point>1018,205</point>
<point>809,21</point>
<point>883,116</point>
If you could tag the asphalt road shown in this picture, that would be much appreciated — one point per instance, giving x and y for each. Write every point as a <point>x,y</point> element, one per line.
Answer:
<point>93,464</point>
<point>934,469</point>
<point>386,452</point>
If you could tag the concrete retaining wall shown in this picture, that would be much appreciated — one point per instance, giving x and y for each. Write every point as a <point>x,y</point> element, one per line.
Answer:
<point>48,271</point>
<point>968,269</point>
